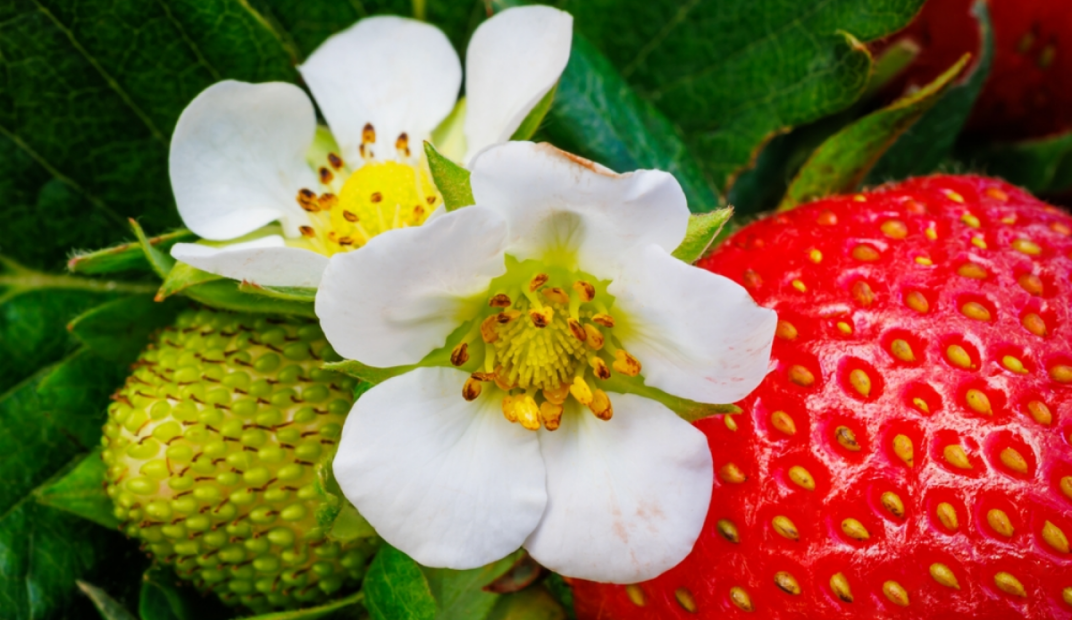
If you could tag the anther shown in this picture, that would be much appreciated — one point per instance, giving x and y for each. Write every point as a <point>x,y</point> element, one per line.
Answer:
<point>506,316</point>
<point>786,583</point>
<point>595,337</point>
<point>605,320</point>
<point>307,231</point>
<point>508,408</point>
<point>948,516</point>
<point>955,456</point>
<point>556,295</point>
<point>307,200</point>
<point>550,415</point>
<point>460,354</point>
<point>376,197</point>
<point>326,176</point>
<point>537,281</point>
<point>839,585</point>
<point>327,201</point>
<point>335,161</point>
<point>785,528</point>
<point>558,394</point>
<point>741,599</point>
<point>542,318</point>
<point>500,301</point>
<point>586,291</point>
<point>943,575</point>
<point>368,134</point>
<point>802,478</point>
<point>577,329</point>
<point>895,593</point>
<point>902,447</point>
<point>402,144</point>
<point>854,529</point>
<point>581,391</point>
<point>892,503</point>
<point>626,363</point>
<point>471,389</point>
<point>846,438</point>
<point>1009,584</point>
<point>1000,523</point>
<point>728,530</point>
<point>783,422</point>
<point>528,414</point>
<point>599,367</point>
<point>1013,460</point>
<point>488,331</point>
<point>349,216</point>
<point>601,405</point>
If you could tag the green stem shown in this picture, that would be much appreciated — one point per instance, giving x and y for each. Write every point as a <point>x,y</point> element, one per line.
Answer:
<point>21,279</point>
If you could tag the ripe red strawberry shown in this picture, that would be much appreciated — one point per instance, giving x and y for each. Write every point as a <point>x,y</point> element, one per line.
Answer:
<point>1029,90</point>
<point>909,455</point>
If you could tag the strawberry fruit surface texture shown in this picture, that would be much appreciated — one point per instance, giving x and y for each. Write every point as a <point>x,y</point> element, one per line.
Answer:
<point>909,454</point>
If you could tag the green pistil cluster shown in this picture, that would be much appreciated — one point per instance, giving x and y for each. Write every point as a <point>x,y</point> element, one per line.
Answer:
<point>216,446</point>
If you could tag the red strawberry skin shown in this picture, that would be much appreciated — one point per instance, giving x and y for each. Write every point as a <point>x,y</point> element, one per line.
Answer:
<point>875,289</point>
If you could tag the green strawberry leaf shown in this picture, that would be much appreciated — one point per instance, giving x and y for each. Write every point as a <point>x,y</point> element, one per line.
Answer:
<point>396,588</point>
<point>596,114</point>
<point>127,256</point>
<point>182,277</point>
<point>460,594</point>
<point>733,74</point>
<point>118,330</point>
<point>928,142</point>
<point>529,604</point>
<point>451,179</point>
<point>109,608</point>
<point>81,492</point>
<point>701,233</point>
<point>840,164</point>
<point>1042,165</point>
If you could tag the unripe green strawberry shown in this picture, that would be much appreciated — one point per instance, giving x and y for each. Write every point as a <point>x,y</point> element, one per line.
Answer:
<point>218,447</point>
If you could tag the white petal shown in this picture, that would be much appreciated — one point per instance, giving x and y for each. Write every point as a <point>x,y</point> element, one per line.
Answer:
<point>396,299</point>
<point>626,497</point>
<point>696,334</point>
<point>450,482</point>
<point>399,74</point>
<point>266,261</point>
<point>513,60</point>
<point>238,158</point>
<point>559,203</point>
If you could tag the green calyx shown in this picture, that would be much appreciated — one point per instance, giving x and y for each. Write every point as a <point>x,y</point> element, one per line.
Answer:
<point>218,449</point>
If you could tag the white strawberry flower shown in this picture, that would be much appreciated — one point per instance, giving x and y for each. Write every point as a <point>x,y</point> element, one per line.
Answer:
<point>533,322</point>
<point>245,171</point>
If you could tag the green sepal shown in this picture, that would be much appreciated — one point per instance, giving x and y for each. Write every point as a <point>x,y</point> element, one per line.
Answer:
<point>532,121</point>
<point>225,294</point>
<point>160,261</point>
<point>840,164</point>
<point>287,293</point>
<point>449,137</point>
<point>181,277</point>
<point>124,256</point>
<point>461,594</point>
<point>1042,165</point>
<point>450,179</point>
<point>370,374</point>
<point>118,330</point>
<point>701,233</point>
<point>889,64</point>
<point>81,492</point>
<point>108,607</point>
<point>688,410</point>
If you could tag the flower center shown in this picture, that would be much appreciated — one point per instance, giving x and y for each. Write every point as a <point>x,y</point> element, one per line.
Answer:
<point>548,337</point>
<point>376,197</point>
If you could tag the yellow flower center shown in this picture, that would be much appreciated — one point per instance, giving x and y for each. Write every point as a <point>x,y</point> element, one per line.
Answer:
<point>378,196</point>
<point>547,337</point>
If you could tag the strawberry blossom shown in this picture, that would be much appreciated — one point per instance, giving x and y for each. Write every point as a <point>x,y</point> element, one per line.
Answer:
<point>249,166</point>
<point>529,325</point>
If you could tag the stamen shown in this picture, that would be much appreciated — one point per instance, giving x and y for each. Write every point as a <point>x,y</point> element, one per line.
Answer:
<point>542,318</point>
<point>368,134</point>
<point>307,231</point>
<point>577,329</point>
<point>307,200</point>
<point>586,290</point>
<point>500,301</point>
<point>528,414</point>
<point>595,337</point>
<point>508,408</point>
<point>626,363</point>
<point>349,216</point>
<point>487,328</point>
<point>556,295</point>
<point>326,176</point>
<point>557,395</point>
<point>600,367</point>
<point>483,376</point>
<point>551,415</point>
<point>603,319</point>
<point>501,380</point>
<point>327,201</point>
<point>601,406</point>
<point>376,197</point>
<point>472,388</point>
<point>335,161</point>
<point>506,316</point>
<point>460,354</point>
<point>581,391</point>
<point>402,144</point>
<point>537,281</point>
